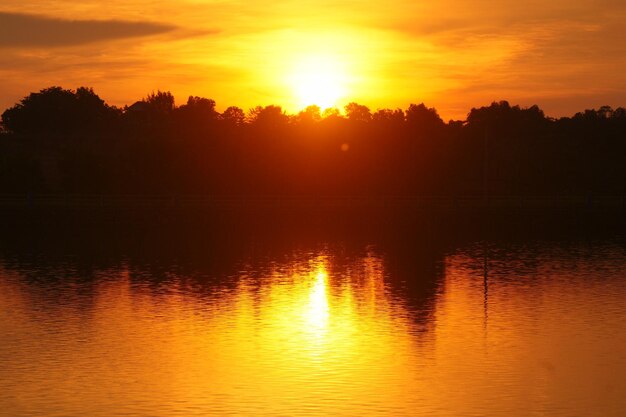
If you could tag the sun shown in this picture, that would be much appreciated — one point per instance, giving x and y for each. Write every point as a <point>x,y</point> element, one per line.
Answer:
<point>318,79</point>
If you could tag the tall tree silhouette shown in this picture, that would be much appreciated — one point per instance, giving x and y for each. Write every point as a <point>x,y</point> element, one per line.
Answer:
<point>71,141</point>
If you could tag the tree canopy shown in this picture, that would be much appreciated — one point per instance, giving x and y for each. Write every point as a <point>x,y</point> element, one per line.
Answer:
<point>71,141</point>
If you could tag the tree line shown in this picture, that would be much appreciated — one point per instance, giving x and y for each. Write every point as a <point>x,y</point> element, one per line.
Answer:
<point>72,142</point>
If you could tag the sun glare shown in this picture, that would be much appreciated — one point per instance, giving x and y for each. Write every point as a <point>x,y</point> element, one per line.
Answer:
<point>317,310</point>
<point>319,80</point>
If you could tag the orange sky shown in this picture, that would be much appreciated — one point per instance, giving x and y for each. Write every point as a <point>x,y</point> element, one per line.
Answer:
<point>451,54</point>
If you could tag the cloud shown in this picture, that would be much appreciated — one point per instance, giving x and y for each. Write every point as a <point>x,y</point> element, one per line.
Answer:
<point>25,30</point>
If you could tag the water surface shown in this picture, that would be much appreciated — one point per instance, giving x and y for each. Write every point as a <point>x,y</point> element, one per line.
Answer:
<point>224,318</point>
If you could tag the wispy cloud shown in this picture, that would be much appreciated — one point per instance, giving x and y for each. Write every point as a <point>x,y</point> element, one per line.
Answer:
<point>453,54</point>
<point>26,30</point>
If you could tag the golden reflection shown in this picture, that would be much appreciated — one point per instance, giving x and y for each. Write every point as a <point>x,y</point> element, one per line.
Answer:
<point>317,336</point>
<point>317,310</point>
<point>305,335</point>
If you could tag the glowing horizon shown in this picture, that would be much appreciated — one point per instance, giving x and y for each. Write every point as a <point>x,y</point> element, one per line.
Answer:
<point>453,55</point>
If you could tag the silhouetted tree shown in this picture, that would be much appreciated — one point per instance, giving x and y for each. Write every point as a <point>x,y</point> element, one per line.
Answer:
<point>199,108</point>
<point>331,112</point>
<point>55,110</point>
<point>234,115</point>
<point>358,113</point>
<point>388,116</point>
<point>312,114</point>
<point>69,141</point>
<point>161,102</point>
<point>268,116</point>
<point>422,117</point>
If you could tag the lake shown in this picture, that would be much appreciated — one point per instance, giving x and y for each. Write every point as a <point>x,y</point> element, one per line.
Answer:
<point>312,314</point>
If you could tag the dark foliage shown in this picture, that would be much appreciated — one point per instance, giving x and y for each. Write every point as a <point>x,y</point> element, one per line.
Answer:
<point>65,141</point>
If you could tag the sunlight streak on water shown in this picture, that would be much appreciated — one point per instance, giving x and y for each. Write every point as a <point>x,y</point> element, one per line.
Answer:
<point>317,313</point>
<point>321,333</point>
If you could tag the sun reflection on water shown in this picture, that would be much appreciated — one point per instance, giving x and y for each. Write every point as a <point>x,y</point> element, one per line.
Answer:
<point>310,332</point>
<point>317,311</point>
<point>315,334</point>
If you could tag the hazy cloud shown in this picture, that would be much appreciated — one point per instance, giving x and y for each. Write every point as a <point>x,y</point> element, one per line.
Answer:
<point>453,54</point>
<point>25,30</point>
